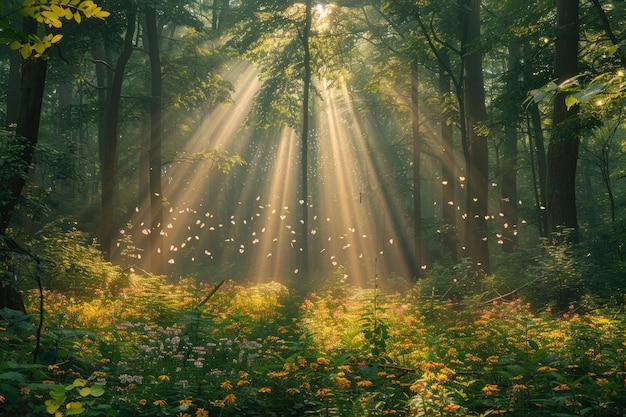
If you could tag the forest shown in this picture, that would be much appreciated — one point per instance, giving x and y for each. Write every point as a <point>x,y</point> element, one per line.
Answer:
<point>313,207</point>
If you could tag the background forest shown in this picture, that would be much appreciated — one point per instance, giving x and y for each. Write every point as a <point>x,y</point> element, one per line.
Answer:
<point>271,192</point>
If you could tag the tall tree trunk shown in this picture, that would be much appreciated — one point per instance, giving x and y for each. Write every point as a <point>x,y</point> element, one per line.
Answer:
<point>107,221</point>
<point>304,148</point>
<point>508,167</point>
<point>417,186</point>
<point>565,141</point>
<point>448,179</point>
<point>32,83</point>
<point>156,138</point>
<point>476,242</point>
<point>537,148</point>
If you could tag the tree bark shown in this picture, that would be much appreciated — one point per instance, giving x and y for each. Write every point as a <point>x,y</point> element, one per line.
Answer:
<point>156,139</point>
<point>32,83</point>
<point>109,145</point>
<point>508,166</point>
<point>477,187</point>
<point>304,148</point>
<point>564,141</point>
<point>448,179</point>
<point>417,185</point>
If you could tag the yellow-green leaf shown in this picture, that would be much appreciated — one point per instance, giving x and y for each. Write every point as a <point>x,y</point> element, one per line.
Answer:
<point>26,50</point>
<point>74,408</point>
<point>77,17</point>
<point>570,101</point>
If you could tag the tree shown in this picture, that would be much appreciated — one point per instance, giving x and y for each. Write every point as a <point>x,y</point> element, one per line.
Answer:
<point>564,141</point>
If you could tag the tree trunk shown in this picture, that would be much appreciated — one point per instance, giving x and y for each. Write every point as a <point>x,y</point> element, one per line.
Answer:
<point>417,186</point>
<point>107,222</point>
<point>565,141</point>
<point>156,139</point>
<point>476,242</point>
<point>508,167</point>
<point>304,149</point>
<point>448,179</point>
<point>32,83</point>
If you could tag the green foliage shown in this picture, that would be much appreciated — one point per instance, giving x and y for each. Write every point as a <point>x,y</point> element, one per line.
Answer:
<point>11,149</point>
<point>53,14</point>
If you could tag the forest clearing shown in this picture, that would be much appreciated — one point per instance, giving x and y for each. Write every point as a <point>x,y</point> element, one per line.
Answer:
<point>312,208</point>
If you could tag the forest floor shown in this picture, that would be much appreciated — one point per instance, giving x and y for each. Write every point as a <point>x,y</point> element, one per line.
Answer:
<point>156,349</point>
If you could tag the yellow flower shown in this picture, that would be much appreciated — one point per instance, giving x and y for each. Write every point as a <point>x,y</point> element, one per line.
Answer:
<point>602,381</point>
<point>562,387</point>
<point>323,392</point>
<point>242,382</point>
<point>25,390</point>
<point>201,412</point>
<point>159,402</point>
<point>226,385</point>
<point>323,361</point>
<point>185,401</point>
<point>490,389</point>
<point>342,383</point>
<point>230,399</point>
<point>143,401</point>
<point>266,390</point>
<point>364,384</point>
<point>293,391</point>
<point>53,367</point>
<point>164,378</point>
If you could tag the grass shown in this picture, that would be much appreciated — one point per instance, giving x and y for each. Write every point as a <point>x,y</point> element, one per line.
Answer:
<point>256,350</point>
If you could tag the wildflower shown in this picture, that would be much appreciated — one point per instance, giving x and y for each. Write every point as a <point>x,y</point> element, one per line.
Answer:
<point>323,361</point>
<point>490,389</point>
<point>342,383</point>
<point>2,398</point>
<point>451,408</point>
<point>602,381</point>
<point>143,401</point>
<point>293,391</point>
<point>230,399</point>
<point>519,387</point>
<point>278,374</point>
<point>562,387</point>
<point>226,385</point>
<point>25,390</point>
<point>201,412</point>
<point>243,382</point>
<point>163,378</point>
<point>265,390</point>
<point>53,367</point>
<point>364,384</point>
<point>323,392</point>
<point>159,402</point>
<point>492,360</point>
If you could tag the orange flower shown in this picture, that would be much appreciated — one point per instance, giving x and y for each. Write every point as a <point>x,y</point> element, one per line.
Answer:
<point>323,392</point>
<point>293,391</point>
<point>364,384</point>
<point>226,385</point>
<point>25,390</point>
<point>143,401</point>
<point>230,399</point>
<point>159,402</point>
<point>490,389</point>
<point>342,383</point>
<point>201,412</point>
<point>266,390</point>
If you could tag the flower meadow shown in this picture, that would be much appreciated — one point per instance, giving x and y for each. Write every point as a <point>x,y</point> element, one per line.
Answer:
<point>258,349</point>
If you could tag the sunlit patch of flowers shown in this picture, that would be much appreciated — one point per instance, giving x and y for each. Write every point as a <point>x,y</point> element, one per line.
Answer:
<point>248,349</point>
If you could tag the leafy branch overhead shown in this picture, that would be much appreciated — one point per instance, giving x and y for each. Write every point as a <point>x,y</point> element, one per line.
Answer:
<point>53,14</point>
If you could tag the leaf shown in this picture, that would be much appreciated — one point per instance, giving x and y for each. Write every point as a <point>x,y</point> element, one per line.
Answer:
<point>74,408</point>
<point>26,51</point>
<point>84,392</point>
<point>97,390</point>
<point>52,406</point>
<point>570,101</point>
